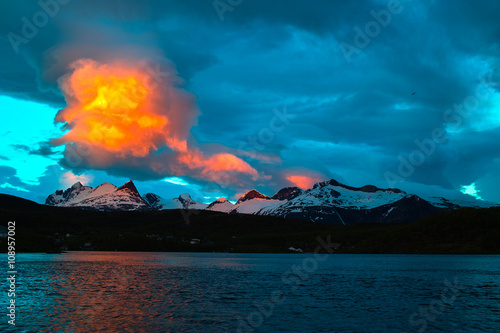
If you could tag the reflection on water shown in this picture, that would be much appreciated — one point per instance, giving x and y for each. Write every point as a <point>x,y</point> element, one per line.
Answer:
<point>184,292</point>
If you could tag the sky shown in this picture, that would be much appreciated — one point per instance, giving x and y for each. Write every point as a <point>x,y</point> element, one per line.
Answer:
<point>215,98</point>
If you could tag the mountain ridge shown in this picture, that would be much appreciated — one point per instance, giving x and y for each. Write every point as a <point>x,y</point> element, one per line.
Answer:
<point>105,197</point>
<point>329,202</point>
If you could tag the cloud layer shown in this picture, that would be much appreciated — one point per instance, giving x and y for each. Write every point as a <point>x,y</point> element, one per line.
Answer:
<point>351,118</point>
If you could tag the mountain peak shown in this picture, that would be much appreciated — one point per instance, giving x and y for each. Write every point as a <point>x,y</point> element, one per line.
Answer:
<point>332,182</point>
<point>130,186</point>
<point>106,186</point>
<point>221,205</point>
<point>151,196</point>
<point>185,196</point>
<point>287,193</point>
<point>154,200</point>
<point>253,194</point>
<point>76,185</point>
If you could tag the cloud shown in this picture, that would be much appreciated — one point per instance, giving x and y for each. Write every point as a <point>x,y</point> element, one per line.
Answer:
<point>121,108</point>
<point>68,178</point>
<point>21,147</point>
<point>8,175</point>
<point>351,121</point>
<point>118,111</point>
<point>44,149</point>
<point>304,182</point>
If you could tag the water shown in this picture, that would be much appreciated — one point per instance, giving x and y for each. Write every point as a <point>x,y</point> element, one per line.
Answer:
<point>220,292</point>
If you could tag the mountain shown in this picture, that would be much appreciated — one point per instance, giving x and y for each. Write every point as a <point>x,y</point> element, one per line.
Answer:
<point>335,203</point>
<point>332,202</point>
<point>253,202</point>
<point>329,202</point>
<point>73,194</point>
<point>15,203</point>
<point>184,201</point>
<point>458,203</point>
<point>287,193</point>
<point>221,205</point>
<point>253,194</point>
<point>105,197</point>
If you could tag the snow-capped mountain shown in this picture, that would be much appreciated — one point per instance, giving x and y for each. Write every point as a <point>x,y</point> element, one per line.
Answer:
<point>184,201</point>
<point>335,203</point>
<point>327,196</point>
<point>221,205</point>
<point>326,202</point>
<point>104,197</point>
<point>457,203</point>
<point>254,202</point>
<point>73,194</point>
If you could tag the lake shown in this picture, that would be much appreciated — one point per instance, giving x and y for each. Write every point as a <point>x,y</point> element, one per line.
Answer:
<point>224,292</point>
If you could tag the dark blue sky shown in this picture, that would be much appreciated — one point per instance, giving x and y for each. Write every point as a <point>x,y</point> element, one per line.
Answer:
<point>394,94</point>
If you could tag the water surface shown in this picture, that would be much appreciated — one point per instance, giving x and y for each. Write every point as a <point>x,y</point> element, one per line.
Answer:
<point>221,292</point>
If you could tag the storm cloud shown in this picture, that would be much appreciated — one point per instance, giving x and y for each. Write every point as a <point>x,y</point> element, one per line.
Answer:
<point>371,116</point>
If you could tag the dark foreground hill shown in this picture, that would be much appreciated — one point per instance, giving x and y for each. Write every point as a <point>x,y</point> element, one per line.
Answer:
<point>41,228</point>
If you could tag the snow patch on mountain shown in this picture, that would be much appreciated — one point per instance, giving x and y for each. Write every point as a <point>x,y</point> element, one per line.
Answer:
<point>254,206</point>
<point>104,188</point>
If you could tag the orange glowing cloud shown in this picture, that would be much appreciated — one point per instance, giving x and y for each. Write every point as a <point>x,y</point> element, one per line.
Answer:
<point>126,118</point>
<point>304,182</point>
<point>113,107</point>
<point>218,166</point>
